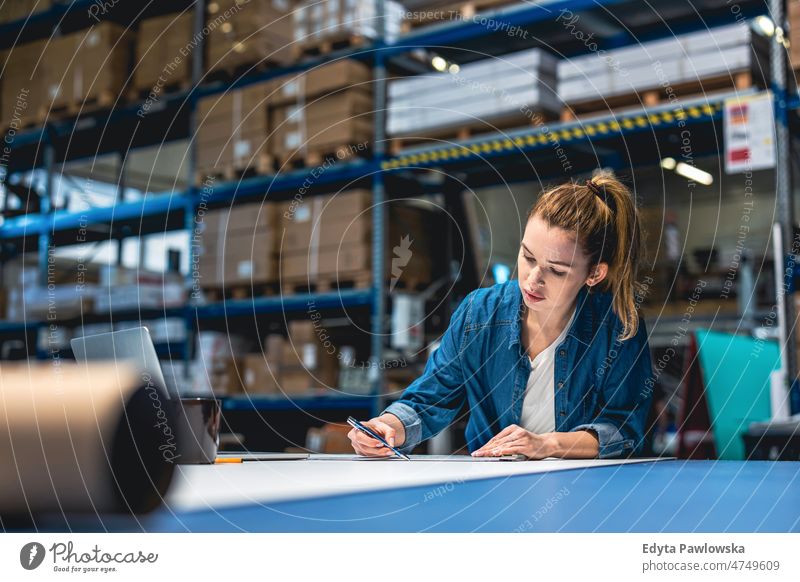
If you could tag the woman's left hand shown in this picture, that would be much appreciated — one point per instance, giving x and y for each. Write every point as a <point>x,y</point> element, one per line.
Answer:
<point>515,440</point>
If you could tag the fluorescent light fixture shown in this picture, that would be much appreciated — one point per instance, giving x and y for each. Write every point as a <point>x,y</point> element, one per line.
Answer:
<point>694,173</point>
<point>688,171</point>
<point>668,163</point>
<point>439,63</point>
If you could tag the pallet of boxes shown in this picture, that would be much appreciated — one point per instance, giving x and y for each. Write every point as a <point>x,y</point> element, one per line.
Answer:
<point>66,75</point>
<point>86,71</point>
<point>22,9</point>
<point>327,243</point>
<point>324,114</point>
<point>480,97</point>
<point>246,35</point>
<point>722,59</point>
<point>439,11</point>
<point>324,26</point>
<point>293,121</point>
<point>163,56</point>
<point>236,251</point>
<point>68,291</point>
<point>232,133</point>
<point>793,15</point>
<point>297,366</point>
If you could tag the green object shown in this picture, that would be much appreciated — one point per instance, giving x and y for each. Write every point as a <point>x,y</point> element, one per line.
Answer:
<point>736,373</point>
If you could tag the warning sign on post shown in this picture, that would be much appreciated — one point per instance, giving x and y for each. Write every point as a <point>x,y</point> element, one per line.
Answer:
<point>749,133</point>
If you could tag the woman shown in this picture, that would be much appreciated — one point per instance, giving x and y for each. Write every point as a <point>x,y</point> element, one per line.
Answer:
<point>553,364</point>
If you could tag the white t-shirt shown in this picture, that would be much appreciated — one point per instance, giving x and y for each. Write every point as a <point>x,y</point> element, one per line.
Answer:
<point>538,405</point>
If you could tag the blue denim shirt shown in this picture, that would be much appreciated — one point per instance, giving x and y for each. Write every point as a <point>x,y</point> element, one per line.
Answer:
<point>600,383</point>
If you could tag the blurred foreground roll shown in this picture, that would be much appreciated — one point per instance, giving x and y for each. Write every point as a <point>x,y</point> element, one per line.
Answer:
<point>82,438</point>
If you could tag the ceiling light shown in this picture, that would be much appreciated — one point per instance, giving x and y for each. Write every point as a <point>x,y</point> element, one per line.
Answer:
<point>668,163</point>
<point>694,173</point>
<point>764,25</point>
<point>439,63</point>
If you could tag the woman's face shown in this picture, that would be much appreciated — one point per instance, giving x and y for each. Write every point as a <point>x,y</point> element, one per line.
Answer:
<point>552,266</point>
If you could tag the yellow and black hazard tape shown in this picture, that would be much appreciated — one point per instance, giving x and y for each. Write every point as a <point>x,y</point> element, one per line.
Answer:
<point>541,137</point>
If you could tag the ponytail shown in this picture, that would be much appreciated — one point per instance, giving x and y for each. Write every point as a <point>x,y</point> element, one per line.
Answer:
<point>603,213</point>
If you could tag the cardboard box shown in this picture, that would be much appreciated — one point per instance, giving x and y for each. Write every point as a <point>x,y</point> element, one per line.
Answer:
<point>233,128</point>
<point>247,33</point>
<point>23,94</point>
<point>86,67</point>
<point>260,375</point>
<point>242,264</point>
<point>316,21</point>
<point>329,439</point>
<point>160,46</point>
<point>23,271</point>
<point>339,206</point>
<point>299,380</point>
<point>331,236</point>
<point>306,363</point>
<point>274,346</point>
<point>21,9</point>
<point>237,245</point>
<point>320,81</point>
<point>793,15</point>
<point>228,381</point>
<point>324,124</point>
<point>327,262</point>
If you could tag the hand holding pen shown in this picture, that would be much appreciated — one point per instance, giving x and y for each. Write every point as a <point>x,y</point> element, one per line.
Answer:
<point>375,437</point>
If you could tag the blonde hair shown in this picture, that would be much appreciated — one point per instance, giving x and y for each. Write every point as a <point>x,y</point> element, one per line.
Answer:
<point>603,214</point>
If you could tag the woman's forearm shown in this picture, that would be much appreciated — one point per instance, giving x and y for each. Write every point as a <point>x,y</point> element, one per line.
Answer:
<point>581,444</point>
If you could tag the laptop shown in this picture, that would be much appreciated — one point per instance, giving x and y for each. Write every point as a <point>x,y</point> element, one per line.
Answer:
<point>133,346</point>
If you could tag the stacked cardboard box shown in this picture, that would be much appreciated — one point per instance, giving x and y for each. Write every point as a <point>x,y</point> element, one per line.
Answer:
<point>86,68</point>
<point>306,364</point>
<point>216,368</point>
<point>793,15</point>
<point>316,21</point>
<point>322,111</point>
<point>329,439</point>
<point>297,366</point>
<point>247,32</point>
<point>330,238</point>
<point>163,53</point>
<point>135,289</point>
<point>20,9</point>
<point>69,290</point>
<point>232,131</point>
<point>493,91</point>
<point>669,63</point>
<point>23,85</point>
<point>261,372</point>
<point>237,246</point>
<point>429,12</point>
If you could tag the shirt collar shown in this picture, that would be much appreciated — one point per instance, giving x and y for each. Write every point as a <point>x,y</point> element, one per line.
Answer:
<point>580,329</point>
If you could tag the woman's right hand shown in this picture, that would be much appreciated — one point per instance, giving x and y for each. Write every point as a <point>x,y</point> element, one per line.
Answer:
<point>387,426</point>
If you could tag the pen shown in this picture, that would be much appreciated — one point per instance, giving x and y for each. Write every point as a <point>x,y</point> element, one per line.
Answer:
<point>358,426</point>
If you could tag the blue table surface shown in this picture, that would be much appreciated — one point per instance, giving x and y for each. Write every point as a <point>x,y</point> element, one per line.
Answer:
<point>663,496</point>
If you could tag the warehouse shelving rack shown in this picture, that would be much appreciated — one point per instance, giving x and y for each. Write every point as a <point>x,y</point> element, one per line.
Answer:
<point>589,140</point>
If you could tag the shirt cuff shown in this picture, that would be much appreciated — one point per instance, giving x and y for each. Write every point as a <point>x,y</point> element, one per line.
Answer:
<point>611,441</point>
<point>412,424</point>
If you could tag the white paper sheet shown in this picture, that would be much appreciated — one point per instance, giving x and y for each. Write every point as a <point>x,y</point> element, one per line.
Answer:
<point>440,458</point>
<point>197,487</point>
